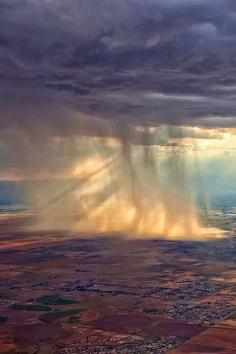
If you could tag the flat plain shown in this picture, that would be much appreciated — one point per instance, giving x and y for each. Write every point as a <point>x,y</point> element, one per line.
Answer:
<point>67,293</point>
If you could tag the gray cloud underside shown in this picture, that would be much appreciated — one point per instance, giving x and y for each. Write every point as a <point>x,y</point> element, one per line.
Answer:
<point>142,61</point>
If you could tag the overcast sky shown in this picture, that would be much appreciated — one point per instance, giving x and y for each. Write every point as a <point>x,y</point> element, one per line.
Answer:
<point>169,61</point>
<point>137,61</point>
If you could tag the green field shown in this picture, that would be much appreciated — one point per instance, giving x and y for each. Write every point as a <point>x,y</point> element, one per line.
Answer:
<point>23,307</point>
<point>55,300</point>
<point>55,315</point>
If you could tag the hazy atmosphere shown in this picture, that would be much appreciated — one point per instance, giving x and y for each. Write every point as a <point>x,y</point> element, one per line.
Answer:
<point>118,137</point>
<point>136,88</point>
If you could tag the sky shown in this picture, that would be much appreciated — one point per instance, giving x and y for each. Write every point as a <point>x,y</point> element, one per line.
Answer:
<point>111,70</point>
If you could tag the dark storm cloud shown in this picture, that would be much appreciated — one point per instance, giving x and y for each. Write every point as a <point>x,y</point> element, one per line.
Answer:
<point>148,61</point>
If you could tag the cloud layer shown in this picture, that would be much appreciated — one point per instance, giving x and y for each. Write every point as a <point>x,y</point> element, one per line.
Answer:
<point>141,61</point>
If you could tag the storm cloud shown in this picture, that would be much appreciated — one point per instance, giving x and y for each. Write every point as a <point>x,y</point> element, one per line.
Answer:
<point>102,99</point>
<point>144,62</point>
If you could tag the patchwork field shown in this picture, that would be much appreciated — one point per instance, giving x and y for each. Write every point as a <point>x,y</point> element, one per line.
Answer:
<point>64,293</point>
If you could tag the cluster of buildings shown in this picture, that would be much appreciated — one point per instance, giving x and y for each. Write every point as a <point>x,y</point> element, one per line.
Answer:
<point>158,346</point>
